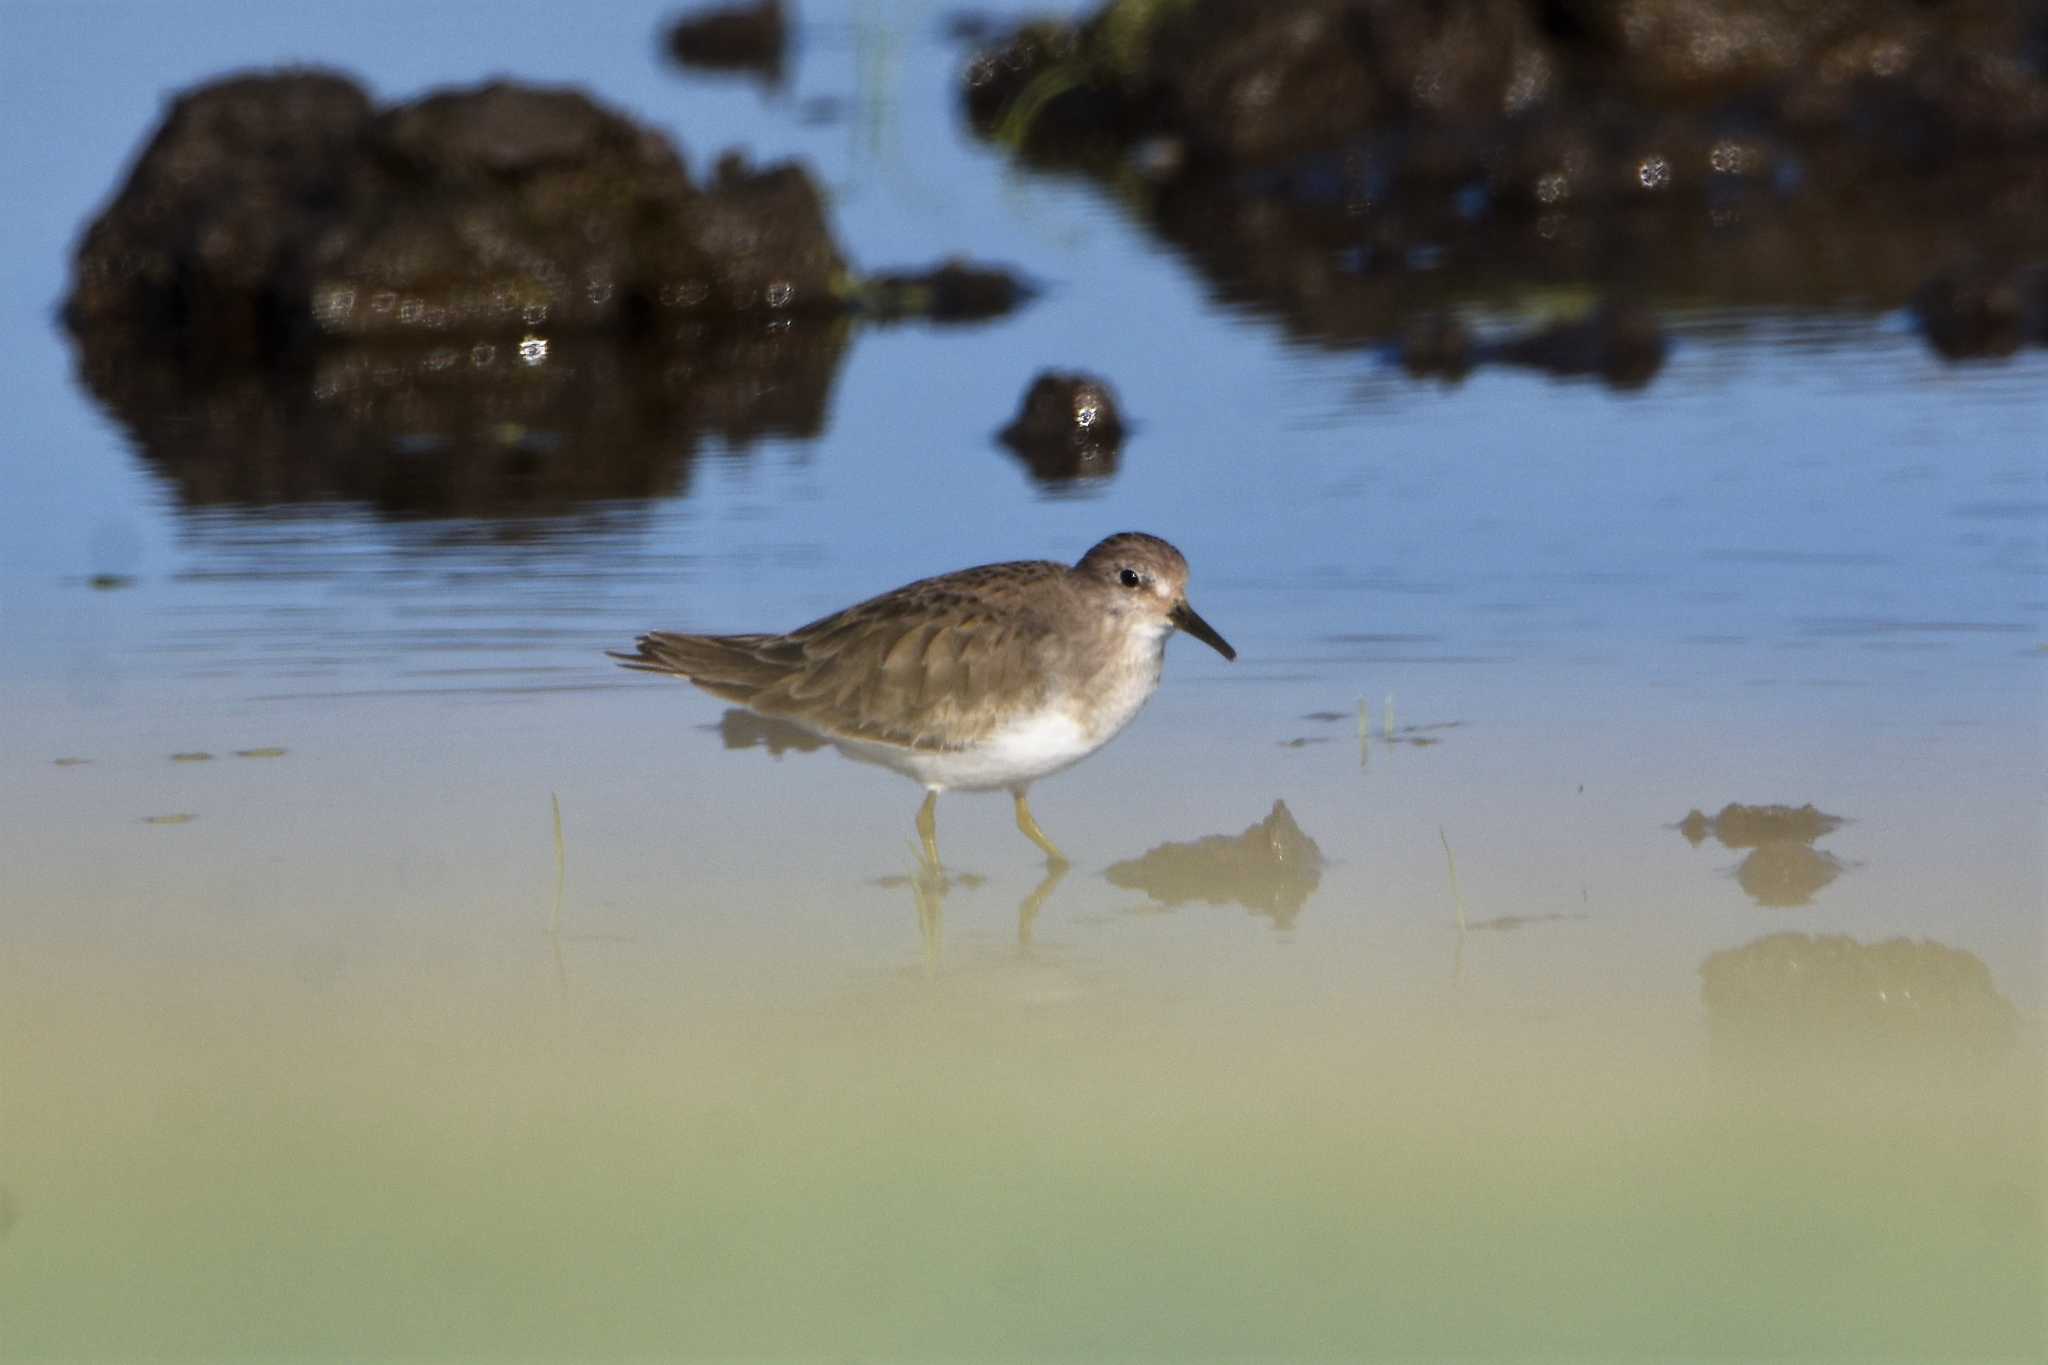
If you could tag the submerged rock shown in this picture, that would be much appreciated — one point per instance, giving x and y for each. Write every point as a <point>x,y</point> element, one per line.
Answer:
<point>1271,869</point>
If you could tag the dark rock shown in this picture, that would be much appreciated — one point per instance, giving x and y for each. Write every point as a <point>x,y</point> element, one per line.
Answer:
<point>739,38</point>
<point>484,302</point>
<point>214,232</point>
<point>1271,869</point>
<point>770,252</point>
<point>1353,166</point>
<point>1696,50</point>
<point>272,207</point>
<point>957,291</point>
<point>1026,90</point>
<point>1074,407</point>
<point>1067,428</point>
<point>483,137</point>
<point>1246,85</point>
<point>1793,994</point>
<point>1289,77</point>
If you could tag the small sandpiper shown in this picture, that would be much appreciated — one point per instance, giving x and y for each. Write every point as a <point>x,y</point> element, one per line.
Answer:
<point>988,678</point>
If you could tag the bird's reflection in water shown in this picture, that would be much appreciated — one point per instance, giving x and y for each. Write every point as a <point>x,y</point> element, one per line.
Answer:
<point>930,886</point>
<point>1271,869</point>
<point>740,728</point>
<point>1783,869</point>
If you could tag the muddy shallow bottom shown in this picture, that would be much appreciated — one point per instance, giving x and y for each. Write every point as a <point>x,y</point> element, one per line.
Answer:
<point>990,1167</point>
<point>328,1068</point>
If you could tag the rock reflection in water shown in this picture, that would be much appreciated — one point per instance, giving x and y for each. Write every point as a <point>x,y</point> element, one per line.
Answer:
<point>1979,312</point>
<point>1271,869</point>
<point>953,291</point>
<point>1618,342</point>
<point>473,428</point>
<point>1794,995</point>
<point>1783,868</point>
<point>1783,875</point>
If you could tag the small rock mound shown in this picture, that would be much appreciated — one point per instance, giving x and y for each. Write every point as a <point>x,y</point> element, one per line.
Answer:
<point>1067,428</point>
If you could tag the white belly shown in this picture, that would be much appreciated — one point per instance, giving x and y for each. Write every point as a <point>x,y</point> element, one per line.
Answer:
<point>1033,746</point>
<point>1012,757</point>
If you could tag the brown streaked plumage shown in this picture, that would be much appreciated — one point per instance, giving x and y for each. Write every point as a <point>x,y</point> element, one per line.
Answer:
<point>988,677</point>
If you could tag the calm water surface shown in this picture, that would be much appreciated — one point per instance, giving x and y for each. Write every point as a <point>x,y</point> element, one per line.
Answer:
<point>305,1051</point>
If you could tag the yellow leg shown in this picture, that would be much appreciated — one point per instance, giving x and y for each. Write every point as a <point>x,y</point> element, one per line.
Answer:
<point>1034,833</point>
<point>928,828</point>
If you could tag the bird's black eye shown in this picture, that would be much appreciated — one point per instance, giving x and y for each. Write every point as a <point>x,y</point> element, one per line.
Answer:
<point>1129,578</point>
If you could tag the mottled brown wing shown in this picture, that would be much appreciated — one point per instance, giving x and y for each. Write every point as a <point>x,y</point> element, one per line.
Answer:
<point>933,665</point>
<point>735,667</point>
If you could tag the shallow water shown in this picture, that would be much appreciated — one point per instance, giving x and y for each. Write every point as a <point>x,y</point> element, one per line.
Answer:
<point>322,1046</point>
